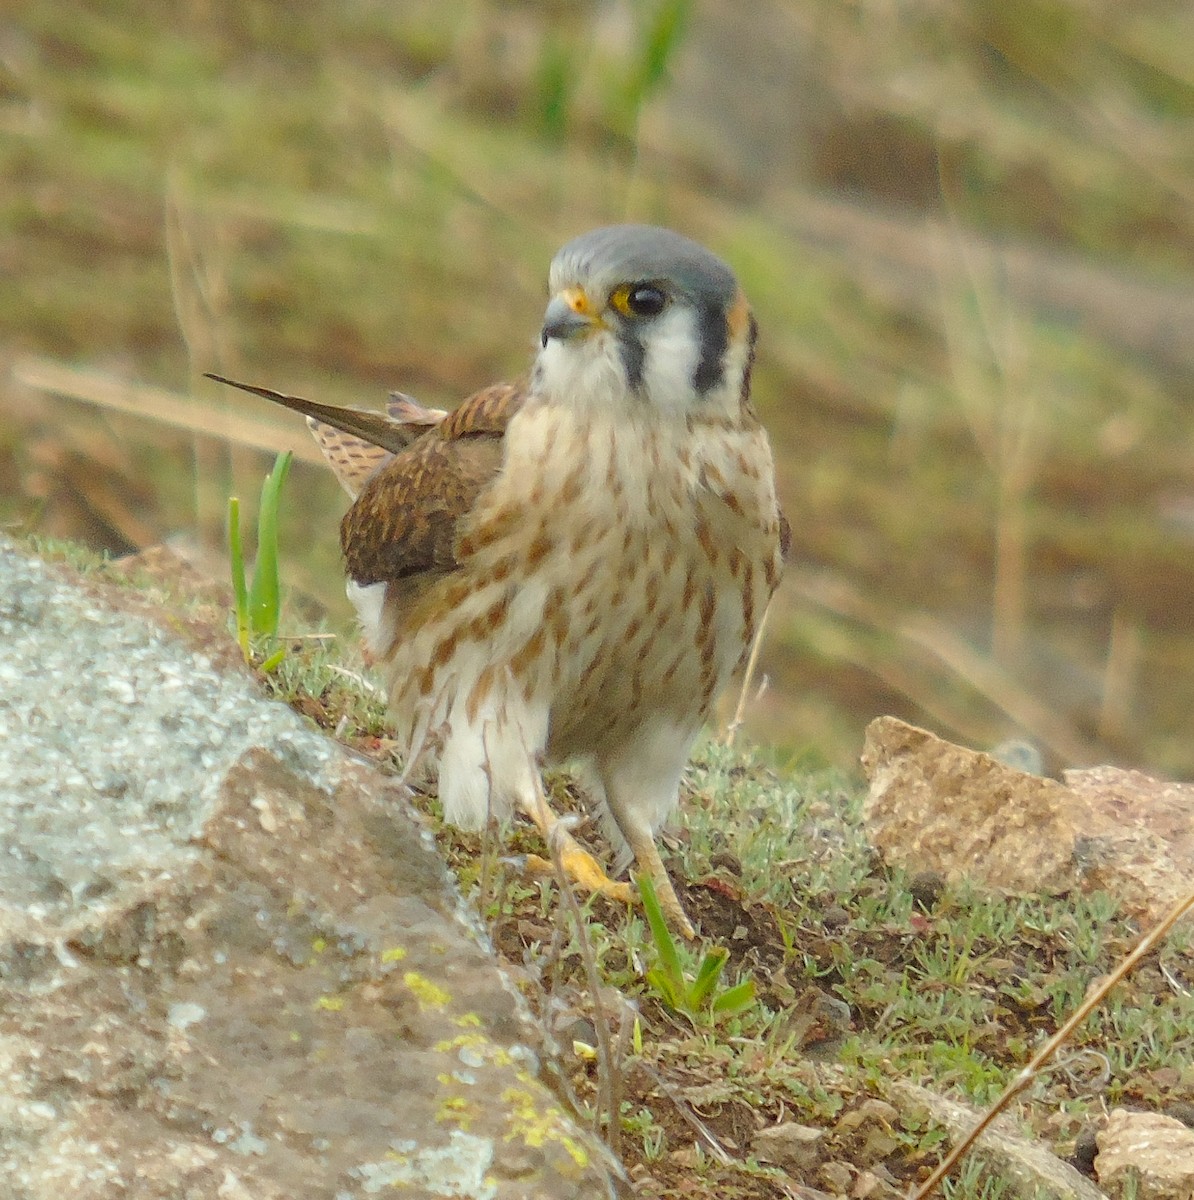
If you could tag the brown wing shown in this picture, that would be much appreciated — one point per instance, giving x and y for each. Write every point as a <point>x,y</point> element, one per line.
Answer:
<point>353,460</point>
<point>404,522</point>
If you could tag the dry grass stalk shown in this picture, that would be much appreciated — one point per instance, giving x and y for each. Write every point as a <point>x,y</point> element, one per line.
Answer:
<point>1040,721</point>
<point>752,664</point>
<point>933,639</point>
<point>610,1085</point>
<point>704,1134</point>
<point>1125,648</point>
<point>994,386</point>
<point>187,413</point>
<point>1029,1073</point>
<point>200,297</point>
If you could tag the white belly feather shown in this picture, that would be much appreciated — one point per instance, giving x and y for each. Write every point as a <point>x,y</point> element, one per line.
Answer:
<point>598,624</point>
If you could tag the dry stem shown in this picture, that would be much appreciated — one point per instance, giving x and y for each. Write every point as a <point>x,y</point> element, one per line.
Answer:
<point>1042,1056</point>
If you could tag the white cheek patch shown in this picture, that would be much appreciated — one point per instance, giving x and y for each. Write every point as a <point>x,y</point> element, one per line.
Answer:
<point>673,347</point>
<point>583,372</point>
<point>590,371</point>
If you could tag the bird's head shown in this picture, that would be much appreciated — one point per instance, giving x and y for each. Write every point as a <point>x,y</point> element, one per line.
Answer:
<point>643,317</point>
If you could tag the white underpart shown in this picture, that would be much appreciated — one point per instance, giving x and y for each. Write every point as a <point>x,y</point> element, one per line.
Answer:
<point>586,373</point>
<point>488,761</point>
<point>377,625</point>
<point>587,414</point>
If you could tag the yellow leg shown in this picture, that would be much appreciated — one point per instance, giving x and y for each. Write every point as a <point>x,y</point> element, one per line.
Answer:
<point>646,854</point>
<point>582,868</point>
<point>579,865</point>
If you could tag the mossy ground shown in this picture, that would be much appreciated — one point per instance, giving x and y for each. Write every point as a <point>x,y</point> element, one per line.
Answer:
<point>863,977</point>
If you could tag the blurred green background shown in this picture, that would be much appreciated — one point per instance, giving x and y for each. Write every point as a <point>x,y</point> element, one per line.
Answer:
<point>967,228</point>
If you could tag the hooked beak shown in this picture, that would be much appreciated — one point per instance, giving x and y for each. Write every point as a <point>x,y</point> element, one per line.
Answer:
<point>570,314</point>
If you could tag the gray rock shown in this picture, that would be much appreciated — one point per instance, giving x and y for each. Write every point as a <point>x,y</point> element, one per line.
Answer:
<point>231,963</point>
<point>1146,1155</point>
<point>934,806</point>
<point>1028,1167</point>
<point>790,1145</point>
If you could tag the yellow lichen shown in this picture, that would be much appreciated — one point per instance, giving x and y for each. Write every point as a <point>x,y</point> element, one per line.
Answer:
<point>537,1126</point>
<point>455,1043</point>
<point>393,954</point>
<point>479,1046</point>
<point>330,1003</point>
<point>459,1111</point>
<point>428,994</point>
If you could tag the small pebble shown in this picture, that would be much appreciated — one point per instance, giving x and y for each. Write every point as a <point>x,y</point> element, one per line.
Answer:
<point>1086,1148</point>
<point>835,917</point>
<point>927,888</point>
<point>725,860</point>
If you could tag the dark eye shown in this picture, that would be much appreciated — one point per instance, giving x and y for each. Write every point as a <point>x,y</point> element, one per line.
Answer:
<point>644,300</point>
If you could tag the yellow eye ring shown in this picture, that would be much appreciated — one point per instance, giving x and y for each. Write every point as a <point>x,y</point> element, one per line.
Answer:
<point>639,300</point>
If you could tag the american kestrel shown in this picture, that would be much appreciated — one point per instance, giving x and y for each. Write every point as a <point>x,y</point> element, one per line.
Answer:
<point>569,569</point>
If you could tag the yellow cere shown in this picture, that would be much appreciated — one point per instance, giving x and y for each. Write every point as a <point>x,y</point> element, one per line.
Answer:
<point>578,300</point>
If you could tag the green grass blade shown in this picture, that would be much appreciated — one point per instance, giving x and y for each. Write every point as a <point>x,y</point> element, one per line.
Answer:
<point>664,986</point>
<point>662,36</point>
<point>707,975</point>
<point>735,1000</point>
<point>274,659</point>
<point>264,598</point>
<point>555,83</point>
<point>669,956</point>
<point>240,591</point>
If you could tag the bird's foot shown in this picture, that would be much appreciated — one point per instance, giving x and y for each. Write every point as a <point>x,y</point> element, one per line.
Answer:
<point>646,854</point>
<point>583,869</point>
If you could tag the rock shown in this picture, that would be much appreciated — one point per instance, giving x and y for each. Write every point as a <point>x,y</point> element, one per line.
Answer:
<point>937,807</point>
<point>867,1133</point>
<point>790,1145</point>
<point>727,861</point>
<point>871,1185</point>
<point>1181,1111</point>
<point>836,1177</point>
<point>926,888</point>
<point>231,963</point>
<point>835,917</point>
<point>1140,841</point>
<point>1029,1168</point>
<point>1086,1147</point>
<point>1145,1155</point>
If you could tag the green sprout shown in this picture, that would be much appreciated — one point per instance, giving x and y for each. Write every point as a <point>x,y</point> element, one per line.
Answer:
<point>700,997</point>
<point>662,25</point>
<point>258,604</point>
